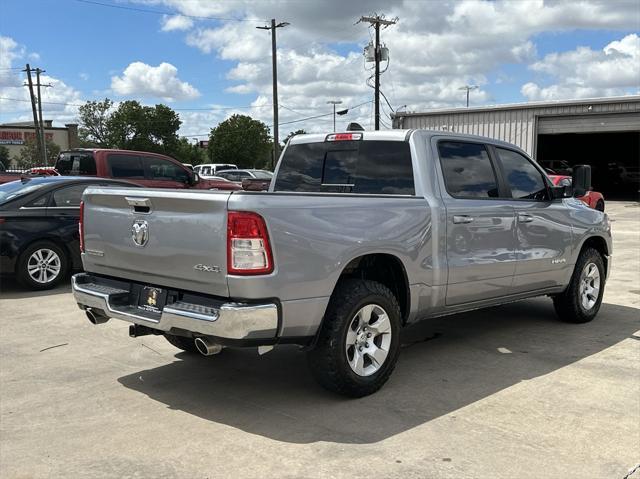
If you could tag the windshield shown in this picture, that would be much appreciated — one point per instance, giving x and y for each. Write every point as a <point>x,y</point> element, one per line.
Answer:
<point>16,189</point>
<point>76,163</point>
<point>262,175</point>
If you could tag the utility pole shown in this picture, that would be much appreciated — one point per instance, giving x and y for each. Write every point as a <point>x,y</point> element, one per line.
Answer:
<point>43,142</point>
<point>377,21</point>
<point>468,88</point>
<point>274,63</point>
<point>334,103</point>
<point>36,125</point>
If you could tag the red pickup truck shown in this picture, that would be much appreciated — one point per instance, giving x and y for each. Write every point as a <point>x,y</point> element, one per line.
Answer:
<point>150,170</point>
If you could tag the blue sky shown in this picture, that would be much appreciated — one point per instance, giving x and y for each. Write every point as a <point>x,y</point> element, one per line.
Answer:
<point>515,52</point>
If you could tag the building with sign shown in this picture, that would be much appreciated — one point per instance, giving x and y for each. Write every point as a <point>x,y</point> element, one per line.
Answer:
<point>601,132</point>
<point>14,135</point>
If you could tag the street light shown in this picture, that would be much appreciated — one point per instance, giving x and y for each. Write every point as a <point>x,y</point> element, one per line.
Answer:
<point>468,88</point>
<point>334,103</point>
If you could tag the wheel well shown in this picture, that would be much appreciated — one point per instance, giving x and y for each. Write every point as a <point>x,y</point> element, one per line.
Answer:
<point>599,244</point>
<point>385,269</point>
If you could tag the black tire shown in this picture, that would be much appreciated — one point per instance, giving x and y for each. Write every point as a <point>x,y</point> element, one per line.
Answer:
<point>23,265</point>
<point>328,360</point>
<point>600,205</point>
<point>180,342</point>
<point>568,304</point>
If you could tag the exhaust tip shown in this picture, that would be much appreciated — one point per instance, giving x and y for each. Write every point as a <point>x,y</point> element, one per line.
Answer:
<point>95,317</point>
<point>207,347</point>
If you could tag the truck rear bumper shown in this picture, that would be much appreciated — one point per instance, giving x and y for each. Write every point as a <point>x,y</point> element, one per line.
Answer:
<point>235,321</point>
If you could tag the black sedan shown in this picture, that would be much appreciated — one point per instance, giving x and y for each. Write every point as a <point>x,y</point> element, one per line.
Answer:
<point>39,217</point>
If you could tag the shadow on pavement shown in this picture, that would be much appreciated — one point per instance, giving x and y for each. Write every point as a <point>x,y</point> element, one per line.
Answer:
<point>11,289</point>
<point>446,364</point>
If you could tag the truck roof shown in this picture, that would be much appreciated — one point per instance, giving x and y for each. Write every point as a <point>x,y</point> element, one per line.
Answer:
<point>398,135</point>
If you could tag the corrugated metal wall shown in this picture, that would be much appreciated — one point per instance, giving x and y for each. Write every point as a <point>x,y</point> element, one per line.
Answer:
<point>514,124</point>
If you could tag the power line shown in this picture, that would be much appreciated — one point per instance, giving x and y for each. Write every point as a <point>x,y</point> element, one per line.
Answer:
<point>160,12</point>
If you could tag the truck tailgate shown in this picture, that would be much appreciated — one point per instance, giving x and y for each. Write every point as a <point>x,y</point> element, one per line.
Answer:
<point>185,243</point>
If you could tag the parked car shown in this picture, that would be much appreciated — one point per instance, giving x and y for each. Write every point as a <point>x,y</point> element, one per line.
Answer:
<point>15,174</point>
<point>250,180</point>
<point>207,170</point>
<point>151,170</point>
<point>39,227</point>
<point>359,235</point>
<point>592,199</point>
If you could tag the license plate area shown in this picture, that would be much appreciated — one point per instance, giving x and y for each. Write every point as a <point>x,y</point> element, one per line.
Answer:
<point>152,299</point>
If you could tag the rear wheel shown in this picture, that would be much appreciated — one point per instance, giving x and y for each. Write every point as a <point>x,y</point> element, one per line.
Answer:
<point>581,301</point>
<point>181,342</point>
<point>42,265</point>
<point>359,342</point>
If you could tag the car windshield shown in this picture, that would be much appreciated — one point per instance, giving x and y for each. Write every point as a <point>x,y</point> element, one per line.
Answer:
<point>262,175</point>
<point>16,189</point>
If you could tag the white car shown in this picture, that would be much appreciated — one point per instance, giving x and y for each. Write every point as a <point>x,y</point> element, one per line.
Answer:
<point>211,169</point>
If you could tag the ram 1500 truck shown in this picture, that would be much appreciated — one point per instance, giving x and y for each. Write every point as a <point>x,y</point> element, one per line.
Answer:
<point>359,235</point>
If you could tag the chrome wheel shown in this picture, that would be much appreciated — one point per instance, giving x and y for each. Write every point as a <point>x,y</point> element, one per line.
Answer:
<point>44,265</point>
<point>368,340</point>
<point>589,286</point>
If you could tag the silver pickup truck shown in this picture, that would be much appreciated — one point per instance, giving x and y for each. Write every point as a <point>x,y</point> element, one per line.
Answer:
<point>359,235</point>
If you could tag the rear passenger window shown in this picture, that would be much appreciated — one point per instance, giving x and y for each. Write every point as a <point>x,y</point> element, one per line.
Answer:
<point>68,197</point>
<point>467,170</point>
<point>126,166</point>
<point>524,179</point>
<point>367,167</point>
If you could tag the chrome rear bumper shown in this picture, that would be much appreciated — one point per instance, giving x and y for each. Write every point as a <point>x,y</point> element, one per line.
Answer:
<point>226,320</point>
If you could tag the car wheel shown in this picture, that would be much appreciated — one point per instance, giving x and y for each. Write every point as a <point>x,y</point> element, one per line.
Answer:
<point>181,342</point>
<point>580,302</point>
<point>358,344</point>
<point>42,265</point>
<point>600,205</point>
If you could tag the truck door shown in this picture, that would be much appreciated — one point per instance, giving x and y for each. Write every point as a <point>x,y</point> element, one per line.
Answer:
<point>480,227</point>
<point>543,229</point>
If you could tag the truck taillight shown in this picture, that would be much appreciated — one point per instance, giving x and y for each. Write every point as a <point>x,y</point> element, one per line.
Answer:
<point>81,227</point>
<point>248,249</point>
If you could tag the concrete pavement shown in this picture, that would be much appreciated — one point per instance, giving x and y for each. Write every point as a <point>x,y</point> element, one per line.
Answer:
<point>501,393</point>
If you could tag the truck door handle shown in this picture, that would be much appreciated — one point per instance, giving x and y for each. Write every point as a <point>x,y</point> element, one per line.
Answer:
<point>461,219</point>
<point>524,218</point>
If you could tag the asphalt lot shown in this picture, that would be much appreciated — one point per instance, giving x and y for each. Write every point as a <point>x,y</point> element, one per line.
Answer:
<point>507,392</point>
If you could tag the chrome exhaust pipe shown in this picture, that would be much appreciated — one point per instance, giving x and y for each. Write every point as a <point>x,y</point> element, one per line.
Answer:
<point>207,347</point>
<point>96,317</point>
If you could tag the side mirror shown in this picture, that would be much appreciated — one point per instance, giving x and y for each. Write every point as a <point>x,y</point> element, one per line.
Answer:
<point>581,179</point>
<point>194,179</point>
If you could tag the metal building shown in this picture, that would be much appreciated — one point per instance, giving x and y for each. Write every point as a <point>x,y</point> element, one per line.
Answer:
<point>602,132</point>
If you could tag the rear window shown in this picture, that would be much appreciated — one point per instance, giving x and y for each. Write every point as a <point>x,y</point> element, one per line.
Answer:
<point>76,164</point>
<point>366,167</point>
<point>126,166</point>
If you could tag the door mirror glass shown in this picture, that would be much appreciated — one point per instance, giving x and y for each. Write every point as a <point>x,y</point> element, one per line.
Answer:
<point>581,180</point>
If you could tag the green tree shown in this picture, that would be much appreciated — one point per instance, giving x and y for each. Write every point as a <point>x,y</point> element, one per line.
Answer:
<point>94,117</point>
<point>29,156</point>
<point>4,156</point>
<point>242,141</point>
<point>187,152</point>
<point>136,127</point>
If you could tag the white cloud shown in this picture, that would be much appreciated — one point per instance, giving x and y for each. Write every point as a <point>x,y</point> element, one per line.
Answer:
<point>584,73</point>
<point>176,22</point>
<point>149,81</point>
<point>435,47</point>
<point>59,101</point>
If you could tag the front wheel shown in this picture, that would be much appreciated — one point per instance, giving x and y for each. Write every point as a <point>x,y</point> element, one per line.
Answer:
<point>581,301</point>
<point>600,205</point>
<point>359,342</point>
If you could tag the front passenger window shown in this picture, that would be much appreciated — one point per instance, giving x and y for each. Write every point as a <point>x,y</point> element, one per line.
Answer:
<point>524,179</point>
